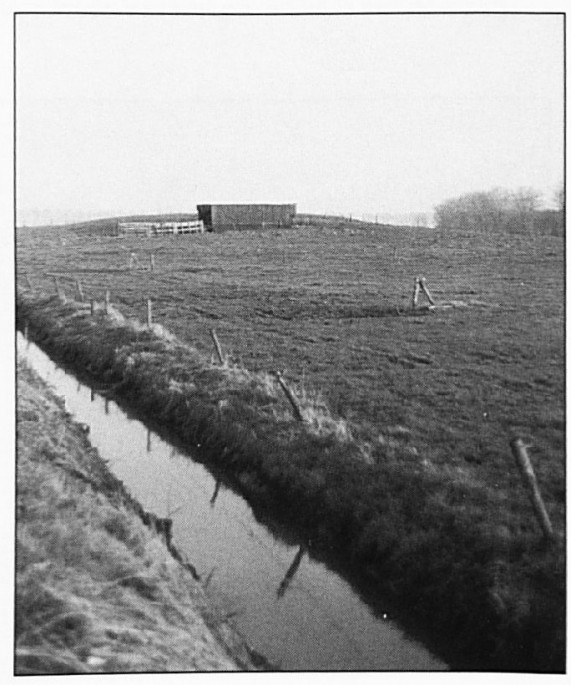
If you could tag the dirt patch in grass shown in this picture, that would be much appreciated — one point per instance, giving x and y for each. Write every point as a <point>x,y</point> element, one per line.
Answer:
<point>97,590</point>
<point>455,552</point>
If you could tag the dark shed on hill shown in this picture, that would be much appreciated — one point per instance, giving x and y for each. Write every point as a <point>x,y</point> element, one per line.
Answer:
<point>245,217</point>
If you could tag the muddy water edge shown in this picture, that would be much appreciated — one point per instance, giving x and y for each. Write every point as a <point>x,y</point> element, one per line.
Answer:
<point>287,602</point>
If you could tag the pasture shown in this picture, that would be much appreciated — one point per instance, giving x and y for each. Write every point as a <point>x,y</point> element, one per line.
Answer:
<point>320,304</point>
<point>454,385</point>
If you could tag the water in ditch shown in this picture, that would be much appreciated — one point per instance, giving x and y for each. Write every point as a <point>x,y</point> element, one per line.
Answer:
<point>291,608</point>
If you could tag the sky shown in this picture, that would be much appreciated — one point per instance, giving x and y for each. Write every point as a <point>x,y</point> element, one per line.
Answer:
<point>339,114</point>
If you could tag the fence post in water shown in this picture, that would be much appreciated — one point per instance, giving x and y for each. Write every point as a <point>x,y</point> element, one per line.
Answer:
<point>291,397</point>
<point>79,289</point>
<point>92,308</point>
<point>526,469</point>
<point>416,292</point>
<point>149,313</point>
<point>28,283</point>
<point>107,301</point>
<point>152,262</point>
<point>217,346</point>
<point>26,330</point>
<point>425,289</point>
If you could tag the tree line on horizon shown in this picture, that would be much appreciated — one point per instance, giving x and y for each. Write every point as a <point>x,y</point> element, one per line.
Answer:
<point>513,211</point>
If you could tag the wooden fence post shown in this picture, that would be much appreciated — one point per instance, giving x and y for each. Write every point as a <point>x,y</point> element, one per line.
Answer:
<point>149,313</point>
<point>92,308</point>
<point>79,289</point>
<point>152,262</point>
<point>26,330</point>
<point>27,278</point>
<point>217,346</point>
<point>59,291</point>
<point>291,397</point>
<point>526,469</point>
<point>107,301</point>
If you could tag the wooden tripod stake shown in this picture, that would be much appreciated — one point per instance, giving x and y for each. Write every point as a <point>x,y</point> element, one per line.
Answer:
<point>425,290</point>
<point>416,292</point>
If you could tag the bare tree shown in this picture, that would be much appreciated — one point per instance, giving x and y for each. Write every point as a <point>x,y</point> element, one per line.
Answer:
<point>490,211</point>
<point>523,206</point>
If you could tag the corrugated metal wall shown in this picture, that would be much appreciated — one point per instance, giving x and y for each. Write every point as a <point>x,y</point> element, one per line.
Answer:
<point>244,217</point>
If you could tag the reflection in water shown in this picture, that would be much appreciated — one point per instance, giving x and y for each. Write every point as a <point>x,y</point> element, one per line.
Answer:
<point>209,577</point>
<point>317,623</point>
<point>290,572</point>
<point>216,491</point>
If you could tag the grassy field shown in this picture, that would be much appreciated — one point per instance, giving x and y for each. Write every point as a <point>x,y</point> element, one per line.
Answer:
<point>453,386</point>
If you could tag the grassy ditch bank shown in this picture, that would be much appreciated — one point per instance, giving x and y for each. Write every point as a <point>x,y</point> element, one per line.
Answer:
<point>442,545</point>
<point>97,590</point>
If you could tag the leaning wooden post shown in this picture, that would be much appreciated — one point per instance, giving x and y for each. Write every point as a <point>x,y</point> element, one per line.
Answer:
<point>416,292</point>
<point>526,469</point>
<point>217,346</point>
<point>149,313</point>
<point>425,289</point>
<point>79,289</point>
<point>291,397</point>
<point>107,301</point>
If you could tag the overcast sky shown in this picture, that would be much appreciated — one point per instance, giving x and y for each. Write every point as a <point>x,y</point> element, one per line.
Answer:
<point>360,114</point>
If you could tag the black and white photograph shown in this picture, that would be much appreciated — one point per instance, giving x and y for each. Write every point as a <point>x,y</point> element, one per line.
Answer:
<point>288,338</point>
